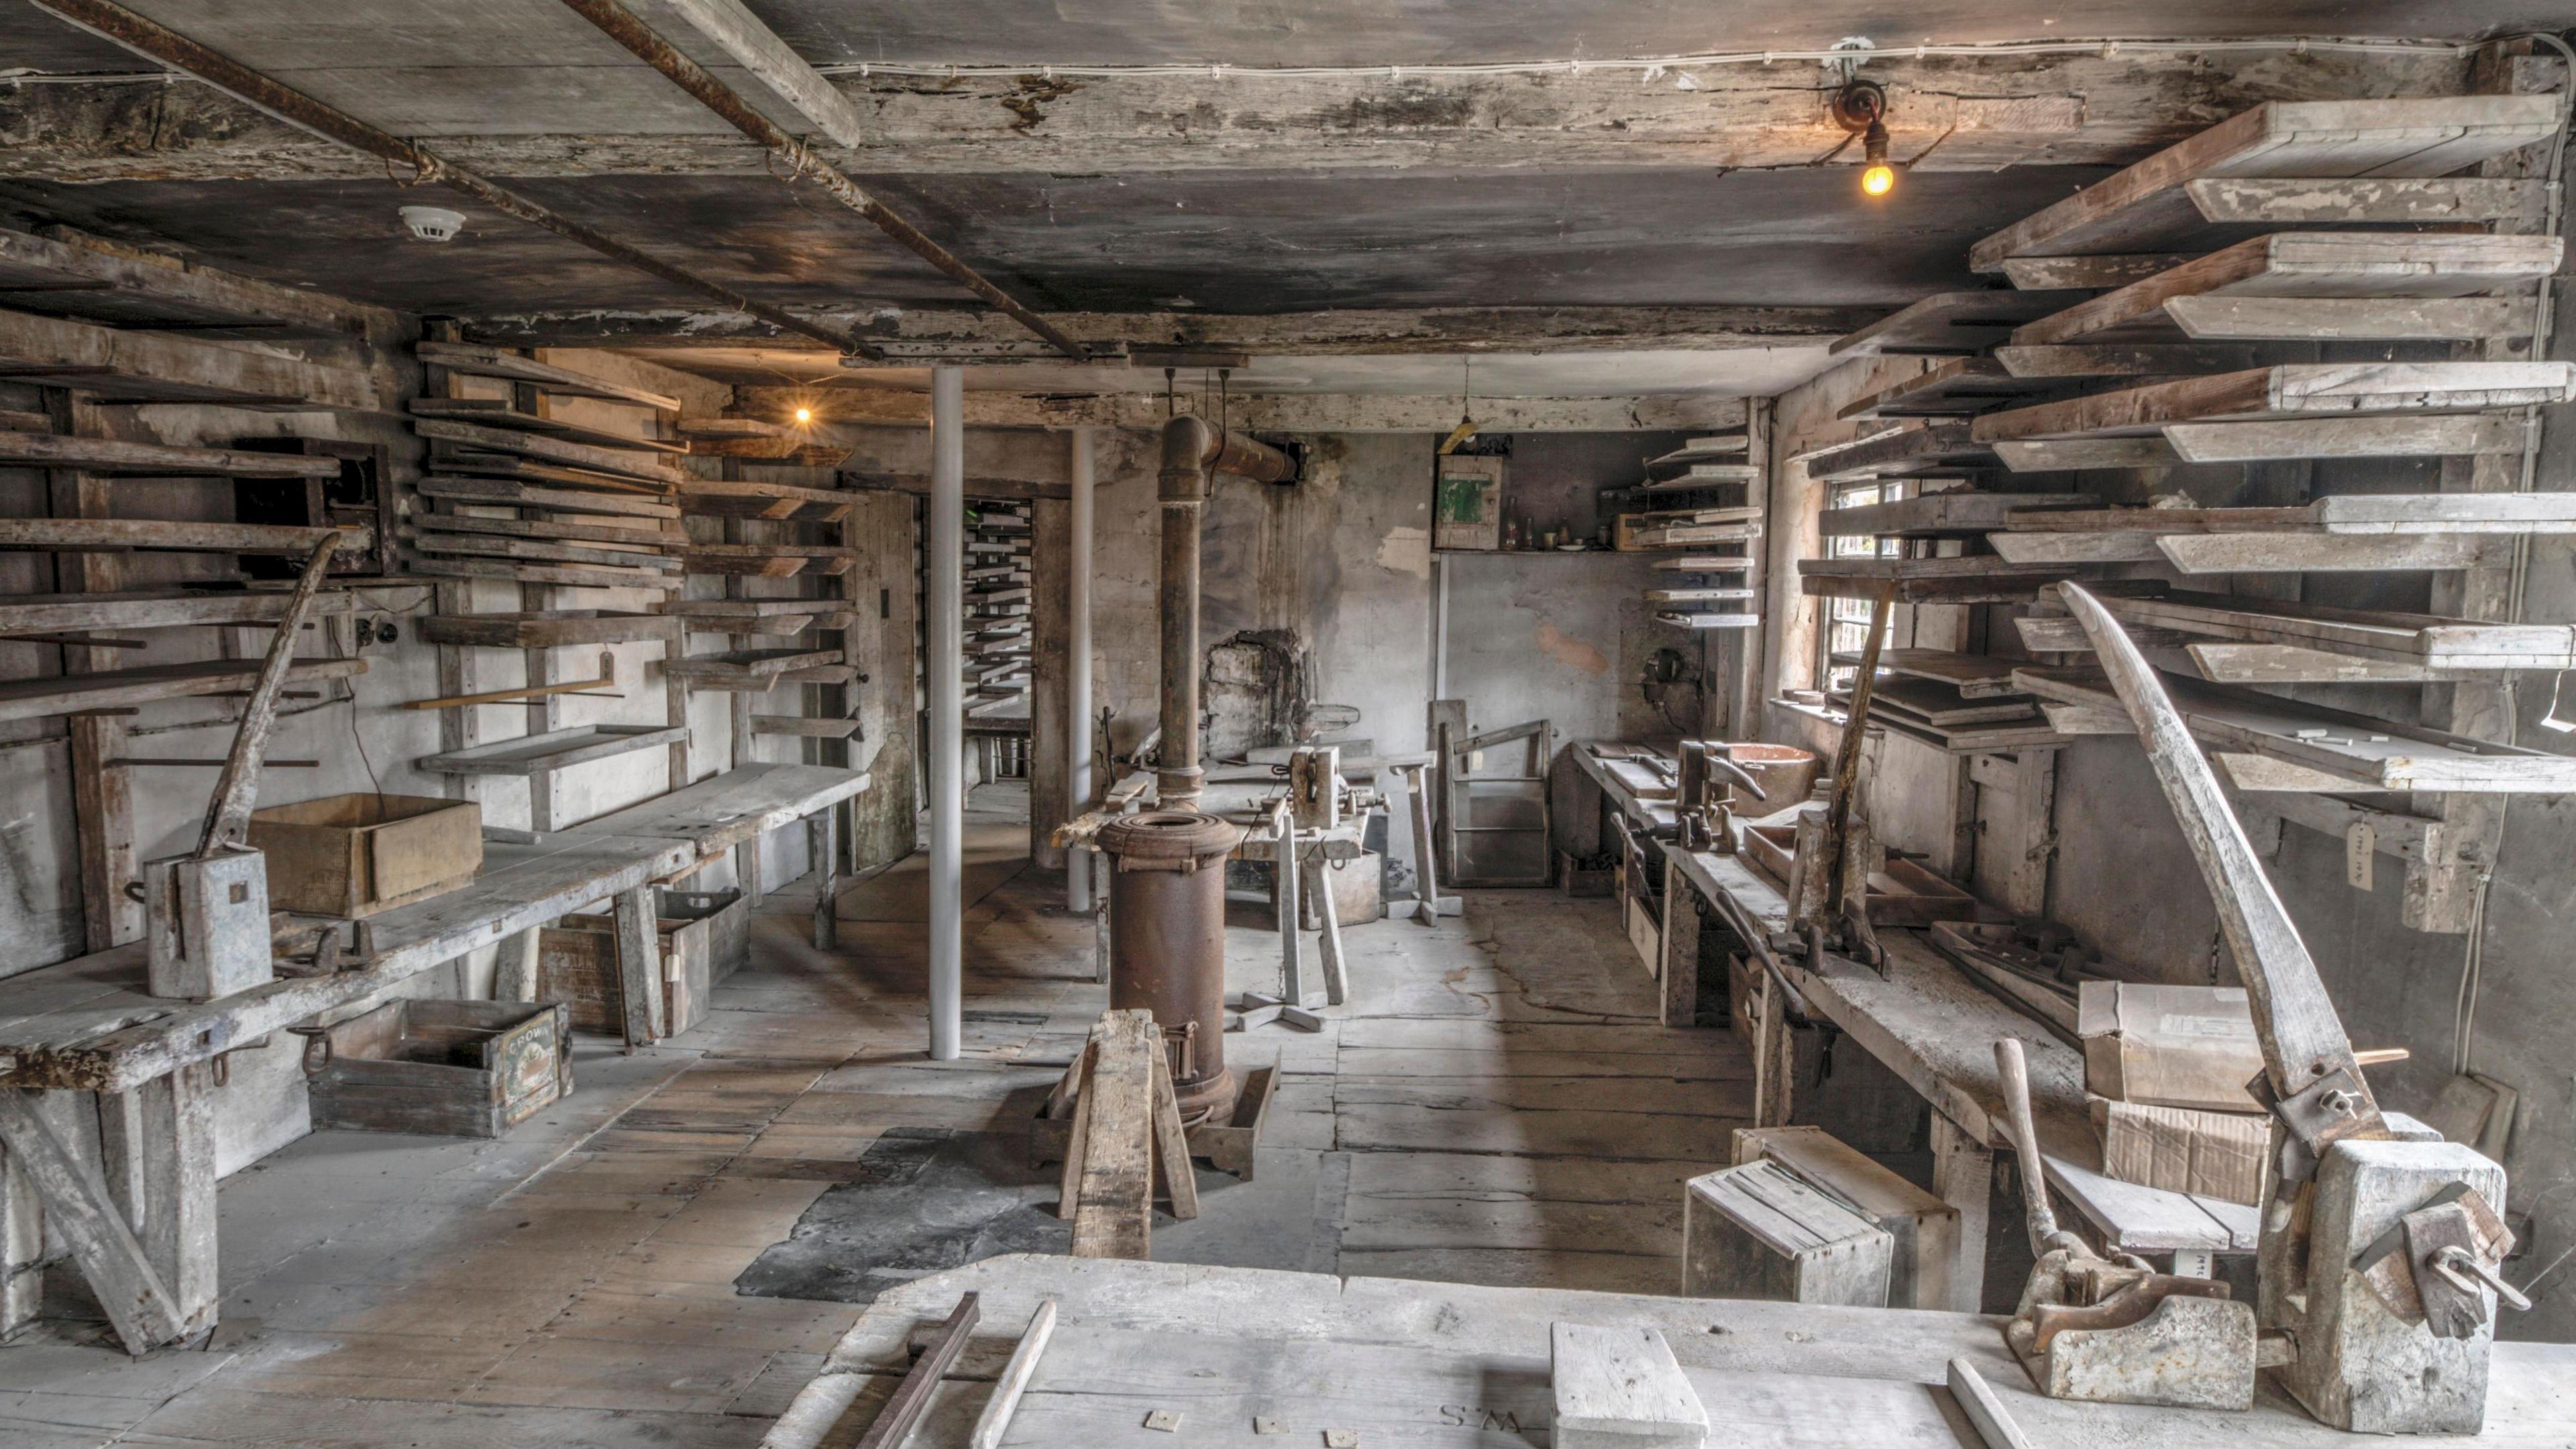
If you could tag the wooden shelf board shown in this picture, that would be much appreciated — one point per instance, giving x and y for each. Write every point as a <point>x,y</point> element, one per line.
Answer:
<point>1703,564</point>
<point>742,664</point>
<point>804,726</point>
<point>543,628</point>
<point>2290,391</point>
<point>154,460</point>
<point>503,493</point>
<point>1900,452</point>
<point>569,575</point>
<point>553,750</point>
<point>119,534</point>
<point>493,413</point>
<point>728,498</point>
<point>1686,619</point>
<point>648,467</point>
<point>22,699</point>
<point>2365,635</point>
<point>112,365</point>
<point>2132,209</point>
<point>1957,513</point>
<point>1952,323</point>
<point>2305,285</point>
<point>2309,747</point>
<point>1974,676</point>
<point>153,609</point>
<point>480,361</point>
<point>1961,387</point>
<point>1931,580</point>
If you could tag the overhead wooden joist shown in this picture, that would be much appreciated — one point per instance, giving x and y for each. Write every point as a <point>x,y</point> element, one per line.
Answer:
<point>1960,512</point>
<point>2265,742</point>
<point>2148,205</point>
<point>113,366</point>
<point>1952,324</point>
<point>1939,449</point>
<point>91,535</point>
<point>152,609</point>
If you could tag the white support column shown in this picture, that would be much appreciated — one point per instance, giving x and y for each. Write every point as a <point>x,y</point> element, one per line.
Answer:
<point>1077,685</point>
<point>945,671</point>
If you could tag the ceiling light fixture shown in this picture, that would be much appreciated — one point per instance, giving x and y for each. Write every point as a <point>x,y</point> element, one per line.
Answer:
<point>804,415</point>
<point>1860,108</point>
<point>1465,432</point>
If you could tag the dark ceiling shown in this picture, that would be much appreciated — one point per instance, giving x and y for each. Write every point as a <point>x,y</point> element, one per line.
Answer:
<point>1220,241</point>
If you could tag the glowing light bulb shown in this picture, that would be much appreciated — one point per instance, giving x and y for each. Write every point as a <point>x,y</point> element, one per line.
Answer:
<point>806,415</point>
<point>1878,180</point>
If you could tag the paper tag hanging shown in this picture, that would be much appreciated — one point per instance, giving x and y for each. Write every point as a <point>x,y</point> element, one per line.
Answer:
<point>2360,844</point>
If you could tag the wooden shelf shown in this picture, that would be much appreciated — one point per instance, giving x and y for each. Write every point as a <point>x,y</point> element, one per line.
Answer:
<point>643,563</point>
<point>116,535</point>
<point>1716,448</point>
<point>1974,676</point>
<point>1700,477</point>
<point>500,493</point>
<point>2148,205</point>
<point>1703,564</point>
<point>747,669</point>
<point>544,628</point>
<point>1938,704</point>
<point>123,688</point>
<point>1957,513</point>
<point>154,460</point>
<point>154,609</point>
<point>646,467</point>
<point>1697,596</point>
<point>2265,742</point>
<point>2320,286</point>
<point>759,616</point>
<point>571,575</point>
<point>113,365</point>
<point>493,413</point>
<point>768,560</point>
<point>2234,639</point>
<point>728,498</point>
<point>1961,387</point>
<point>553,750</point>
<point>1687,619</point>
<point>2434,435</point>
<point>1931,580</point>
<point>457,466</point>
<point>1950,324</point>
<point>479,361</point>
<point>1941,449</point>
<point>2290,391</point>
<point>2093,361</point>
<point>804,726</point>
<point>2345,533</point>
<point>758,439</point>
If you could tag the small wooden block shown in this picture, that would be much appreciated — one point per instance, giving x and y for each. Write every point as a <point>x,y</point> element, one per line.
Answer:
<point>1620,1388</point>
<point>1341,1439</point>
<point>1166,1420</point>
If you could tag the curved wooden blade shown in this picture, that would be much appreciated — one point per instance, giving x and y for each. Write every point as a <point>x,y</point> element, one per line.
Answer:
<point>2302,1035</point>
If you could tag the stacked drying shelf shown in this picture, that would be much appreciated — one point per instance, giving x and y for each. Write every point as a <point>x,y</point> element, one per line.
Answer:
<point>1702,503</point>
<point>513,495</point>
<point>997,610</point>
<point>2196,310</point>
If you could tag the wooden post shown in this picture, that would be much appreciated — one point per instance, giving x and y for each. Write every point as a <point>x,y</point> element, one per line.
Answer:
<point>157,1146</point>
<point>1680,967</point>
<point>639,965</point>
<point>823,833</point>
<point>1051,675</point>
<point>82,1214</point>
<point>1773,1053</point>
<point>22,1247</point>
<point>103,812</point>
<point>1337,975</point>
<point>514,966</point>
<point>1963,1174</point>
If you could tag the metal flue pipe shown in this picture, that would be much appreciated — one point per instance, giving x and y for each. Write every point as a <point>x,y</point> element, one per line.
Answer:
<point>123,27</point>
<point>647,45</point>
<point>1194,449</point>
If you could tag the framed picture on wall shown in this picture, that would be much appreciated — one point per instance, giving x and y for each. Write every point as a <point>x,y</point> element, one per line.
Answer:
<point>1467,504</point>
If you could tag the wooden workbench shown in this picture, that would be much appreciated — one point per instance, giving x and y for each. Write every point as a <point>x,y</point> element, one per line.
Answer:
<point>1450,1366</point>
<point>1928,1024</point>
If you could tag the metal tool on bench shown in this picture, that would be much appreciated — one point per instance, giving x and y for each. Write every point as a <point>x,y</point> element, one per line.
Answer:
<point>1703,804</point>
<point>205,914</point>
<point>2114,1330</point>
<point>1829,894</point>
<point>2380,1242</point>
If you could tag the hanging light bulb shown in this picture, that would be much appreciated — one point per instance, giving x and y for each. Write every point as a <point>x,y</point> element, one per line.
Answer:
<point>1877,178</point>
<point>1465,432</point>
<point>1860,108</point>
<point>804,415</point>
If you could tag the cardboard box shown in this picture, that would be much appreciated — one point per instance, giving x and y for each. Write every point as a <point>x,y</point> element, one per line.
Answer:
<point>2168,1046</point>
<point>2211,1154</point>
<point>355,855</point>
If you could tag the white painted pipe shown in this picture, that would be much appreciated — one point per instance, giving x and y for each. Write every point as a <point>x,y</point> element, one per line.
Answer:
<point>946,672</point>
<point>1077,650</point>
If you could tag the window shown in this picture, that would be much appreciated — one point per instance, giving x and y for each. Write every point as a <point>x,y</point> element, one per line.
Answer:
<point>1846,628</point>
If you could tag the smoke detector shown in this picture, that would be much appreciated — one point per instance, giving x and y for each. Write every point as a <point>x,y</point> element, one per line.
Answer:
<point>433,223</point>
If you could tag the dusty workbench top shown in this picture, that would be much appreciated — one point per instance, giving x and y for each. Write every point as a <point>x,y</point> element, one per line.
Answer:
<point>1442,1364</point>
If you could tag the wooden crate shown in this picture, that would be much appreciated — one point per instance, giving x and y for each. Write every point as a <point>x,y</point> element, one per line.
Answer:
<point>355,855</point>
<point>440,1068</point>
<point>1925,1229</point>
<point>705,938</point>
<point>1756,1231</point>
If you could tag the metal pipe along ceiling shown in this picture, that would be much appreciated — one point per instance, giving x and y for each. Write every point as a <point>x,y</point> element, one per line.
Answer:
<point>1194,448</point>
<point>123,27</point>
<point>620,25</point>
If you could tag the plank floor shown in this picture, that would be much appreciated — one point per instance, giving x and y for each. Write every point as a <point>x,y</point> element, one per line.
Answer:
<point>1496,1105</point>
